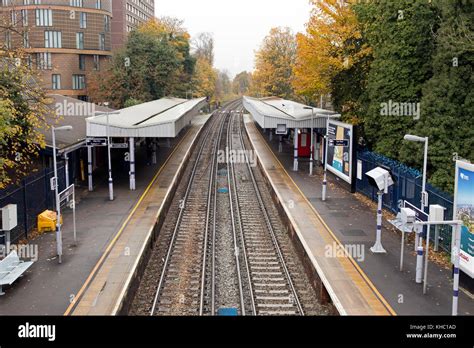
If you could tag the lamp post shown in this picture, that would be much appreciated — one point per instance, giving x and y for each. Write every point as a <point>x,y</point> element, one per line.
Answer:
<point>56,192</point>
<point>111,181</point>
<point>311,161</point>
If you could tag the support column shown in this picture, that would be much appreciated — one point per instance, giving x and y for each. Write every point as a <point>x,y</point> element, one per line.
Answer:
<point>132,164</point>
<point>295,162</point>
<point>154,158</point>
<point>168,142</point>
<point>271,135</point>
<point>280,145</point>
<point>66,168</point>
<point>89,168</point>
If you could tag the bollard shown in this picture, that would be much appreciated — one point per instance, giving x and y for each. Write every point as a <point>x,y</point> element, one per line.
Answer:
<point>419,264</point>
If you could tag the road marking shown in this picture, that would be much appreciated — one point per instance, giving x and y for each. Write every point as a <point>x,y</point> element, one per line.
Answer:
<point>119,233</point>
<point>356,265</point>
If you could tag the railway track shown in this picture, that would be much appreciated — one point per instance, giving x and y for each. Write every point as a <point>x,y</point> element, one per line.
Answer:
<point>223,243</point>
<point>271,287</point>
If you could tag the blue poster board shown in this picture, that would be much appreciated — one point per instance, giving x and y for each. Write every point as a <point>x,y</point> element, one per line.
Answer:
<point>464,210</point>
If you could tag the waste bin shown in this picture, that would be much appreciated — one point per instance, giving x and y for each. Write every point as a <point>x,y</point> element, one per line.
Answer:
<point>47,221</point>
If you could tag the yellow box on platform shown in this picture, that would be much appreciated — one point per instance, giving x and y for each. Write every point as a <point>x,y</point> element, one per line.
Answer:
<point>47,221</point>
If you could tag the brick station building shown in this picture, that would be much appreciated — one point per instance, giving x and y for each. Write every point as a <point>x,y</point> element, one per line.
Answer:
<point>67,39</point>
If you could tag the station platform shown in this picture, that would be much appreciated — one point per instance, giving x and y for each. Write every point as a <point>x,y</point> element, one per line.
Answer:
<point>348,220</point>
<point>350,290</point>
<point>49,288</point>
<point>105,290</point>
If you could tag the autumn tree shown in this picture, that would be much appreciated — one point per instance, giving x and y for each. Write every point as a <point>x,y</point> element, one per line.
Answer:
<point>332,57</point>
<point>242,83</point>
<point>205,79</point>
<point>273,75</point>
<point>24,108</point>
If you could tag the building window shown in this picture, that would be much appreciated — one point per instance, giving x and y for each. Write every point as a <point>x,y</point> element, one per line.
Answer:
<point>83,20</point>
<point>96,62</point>
<point>24,17</point>
<point>80,41</point>
<point>102,42</point>
<point>56,81</point>
<point>98,4</point>
<point>13,18</point>
<point>44,18</point>
<point>8,39</point>
<point>43,61</point>
<point>52,39</point>
<point>82,62</point>
<point>106,24</point>
<point>78,82</point>
<point>76,3</point>
<point>26,40</point>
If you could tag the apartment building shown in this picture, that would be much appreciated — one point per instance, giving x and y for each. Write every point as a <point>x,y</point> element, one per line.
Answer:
<point>66,39</point>
<point>127,15</point>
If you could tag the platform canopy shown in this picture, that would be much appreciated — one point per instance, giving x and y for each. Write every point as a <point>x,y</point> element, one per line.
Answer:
<point>163,118</point>
<point>270,113</point>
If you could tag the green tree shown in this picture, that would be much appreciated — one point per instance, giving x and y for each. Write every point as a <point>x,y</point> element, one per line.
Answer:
<point>400,35</point>
<point>160,65</point>
<point>448,97</point>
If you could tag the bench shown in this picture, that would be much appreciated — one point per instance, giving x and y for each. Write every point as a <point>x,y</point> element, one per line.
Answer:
<point>12,268</point>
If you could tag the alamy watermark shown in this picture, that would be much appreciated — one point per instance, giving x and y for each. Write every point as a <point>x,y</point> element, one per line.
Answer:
<point>356,251</point>
<point>80,109</point>
<point>24,251</point>
<point>237,157</point>
<point>393,108</point>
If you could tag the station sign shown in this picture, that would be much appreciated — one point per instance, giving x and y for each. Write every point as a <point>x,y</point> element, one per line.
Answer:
<point>281,129</point>
<point>96,142</point>
<point>119,146</point>
<point>68,192</point>
<point>337,143</point>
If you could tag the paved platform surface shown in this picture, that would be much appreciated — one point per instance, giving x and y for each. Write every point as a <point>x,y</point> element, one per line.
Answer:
<point>350,291</point>
<point>49,288</point>
<point>353,222</point>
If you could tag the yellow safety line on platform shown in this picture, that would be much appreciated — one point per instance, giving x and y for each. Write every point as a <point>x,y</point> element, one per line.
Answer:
<point>356,265</point>
<point>117,236</point>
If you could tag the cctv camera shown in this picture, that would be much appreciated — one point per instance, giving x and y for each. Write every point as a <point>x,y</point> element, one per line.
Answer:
<point>380,178</point>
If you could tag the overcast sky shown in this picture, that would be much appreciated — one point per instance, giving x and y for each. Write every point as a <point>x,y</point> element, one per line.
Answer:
<point>239,26</point>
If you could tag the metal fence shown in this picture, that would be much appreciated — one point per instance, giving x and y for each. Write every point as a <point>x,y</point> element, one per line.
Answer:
<point>408,187</point>
<point>32,197</point>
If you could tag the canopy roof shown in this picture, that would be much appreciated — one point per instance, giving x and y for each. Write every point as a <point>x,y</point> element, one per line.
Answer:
<point>269,113</point>
<point>160,118</point>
